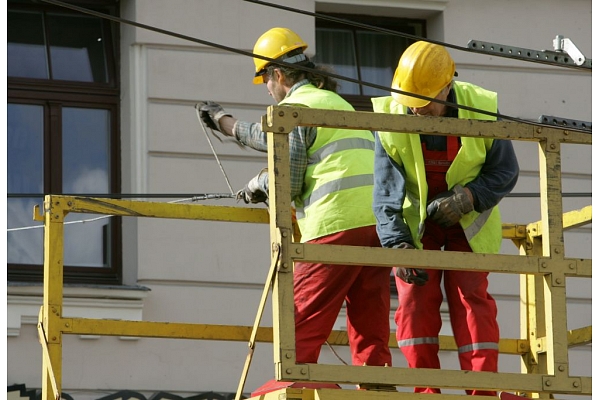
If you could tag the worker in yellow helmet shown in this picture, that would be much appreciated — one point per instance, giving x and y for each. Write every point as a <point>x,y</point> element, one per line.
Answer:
<point>331,173</point>
<point>441,192</point>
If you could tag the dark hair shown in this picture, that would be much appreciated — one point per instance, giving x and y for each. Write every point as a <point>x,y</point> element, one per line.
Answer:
<point>293,75</point>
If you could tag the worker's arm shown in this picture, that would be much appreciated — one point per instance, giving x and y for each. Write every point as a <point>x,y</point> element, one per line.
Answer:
<point>388,197</point>
<point>497,177</point>
<point>300,139</point>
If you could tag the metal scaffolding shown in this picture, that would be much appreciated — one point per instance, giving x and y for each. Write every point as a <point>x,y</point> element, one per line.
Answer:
<point>543,268</point>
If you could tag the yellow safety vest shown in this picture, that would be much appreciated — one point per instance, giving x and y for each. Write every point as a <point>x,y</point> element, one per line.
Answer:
<point>483,230</point>
<point>337,194</point>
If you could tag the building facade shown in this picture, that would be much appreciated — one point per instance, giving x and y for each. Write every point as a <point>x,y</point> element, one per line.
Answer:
<point>110,110</point>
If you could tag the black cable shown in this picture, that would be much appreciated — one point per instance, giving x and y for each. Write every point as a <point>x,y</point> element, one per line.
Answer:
<point>413,37</point>
<point>208,196</point>
<point>299,67</point>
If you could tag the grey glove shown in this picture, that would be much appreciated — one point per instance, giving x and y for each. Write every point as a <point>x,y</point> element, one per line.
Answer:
<point>415,276</point>
<point>252,192</point>
<point>447,208</point>
<point>211,113</point>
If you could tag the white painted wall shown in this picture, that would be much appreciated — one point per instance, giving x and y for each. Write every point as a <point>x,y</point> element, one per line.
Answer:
<point>206,272</point>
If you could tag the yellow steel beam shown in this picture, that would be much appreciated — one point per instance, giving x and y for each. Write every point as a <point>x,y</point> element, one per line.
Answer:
<point>340,394</point>
<point>580,336</point>
<point>47,362</point>
<point>134,208</point>
<point>83,326</point>
<point>451,379</point>
<point>571,219</point>
<point>282,119</point>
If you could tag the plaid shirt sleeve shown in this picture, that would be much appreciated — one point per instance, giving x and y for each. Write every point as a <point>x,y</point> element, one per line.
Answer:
<point>300,139</point>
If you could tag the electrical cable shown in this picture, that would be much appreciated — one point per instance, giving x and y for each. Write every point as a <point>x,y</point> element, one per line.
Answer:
<point>213,150</point>
<point>207,196</point>
<point>303,68</point>
<point>412,37</point>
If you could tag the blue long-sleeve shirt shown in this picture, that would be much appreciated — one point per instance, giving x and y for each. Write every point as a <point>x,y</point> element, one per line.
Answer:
<point>498,176</point>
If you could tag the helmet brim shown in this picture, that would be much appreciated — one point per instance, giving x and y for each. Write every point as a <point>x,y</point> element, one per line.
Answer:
<point>409,101</point>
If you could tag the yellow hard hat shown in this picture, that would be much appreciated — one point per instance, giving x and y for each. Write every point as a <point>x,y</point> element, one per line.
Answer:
<point>424,69</point>
<point>274,43</point>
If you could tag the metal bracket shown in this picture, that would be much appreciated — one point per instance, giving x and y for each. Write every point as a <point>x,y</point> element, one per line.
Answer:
<point>565,122</point>
<point>560,57</point>
<point>566,45</point>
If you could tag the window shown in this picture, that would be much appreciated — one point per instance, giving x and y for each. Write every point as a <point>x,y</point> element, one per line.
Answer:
<point>62,135</point>
<point>363,54</point>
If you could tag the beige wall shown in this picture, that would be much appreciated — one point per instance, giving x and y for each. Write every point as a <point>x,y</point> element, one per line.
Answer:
<point>214,272</point>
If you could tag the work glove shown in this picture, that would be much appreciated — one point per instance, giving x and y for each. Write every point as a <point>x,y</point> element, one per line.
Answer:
<point>252,192</point>
<point>447,208</point>
<point>416,276</point>
<point>211,113</point>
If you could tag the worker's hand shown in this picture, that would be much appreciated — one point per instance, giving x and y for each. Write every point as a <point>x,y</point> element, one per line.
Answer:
<point>447,208</point>
<point>211,113</point>
<point>252,192</point>
<point>412,276</point>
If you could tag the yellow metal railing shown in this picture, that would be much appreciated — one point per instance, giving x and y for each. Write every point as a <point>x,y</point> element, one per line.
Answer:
<point>542,265</point>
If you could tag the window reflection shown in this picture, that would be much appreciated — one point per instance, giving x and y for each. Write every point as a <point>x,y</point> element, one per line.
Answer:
<point>86,170</point>
<point>76,53</point>
<point>26,49</point>
<point>25,171</point>
<point>335,47</point>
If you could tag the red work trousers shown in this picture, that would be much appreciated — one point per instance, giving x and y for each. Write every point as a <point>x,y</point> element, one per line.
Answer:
<point>472,312</point>
<point>320,291</point>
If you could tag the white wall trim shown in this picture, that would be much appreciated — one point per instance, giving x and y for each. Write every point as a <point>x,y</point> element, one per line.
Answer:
<point>24,302</point>
<point>139,118</point>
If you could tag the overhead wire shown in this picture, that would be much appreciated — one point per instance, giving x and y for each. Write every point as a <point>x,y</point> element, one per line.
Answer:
<point>304,68</point>
<point>409,36</point>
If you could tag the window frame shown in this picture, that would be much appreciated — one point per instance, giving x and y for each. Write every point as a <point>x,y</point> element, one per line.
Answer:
<point>362,102</point>
<point>53,95</point>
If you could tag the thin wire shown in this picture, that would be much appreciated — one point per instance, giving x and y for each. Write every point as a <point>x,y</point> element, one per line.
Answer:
<point>303,68</point>
<point>83,221</point>
<point>213,150</point>
<point>335,353</point>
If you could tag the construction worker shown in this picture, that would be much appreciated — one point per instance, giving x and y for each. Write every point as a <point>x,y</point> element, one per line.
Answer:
<point>331,175</point>
<point>438,192</point>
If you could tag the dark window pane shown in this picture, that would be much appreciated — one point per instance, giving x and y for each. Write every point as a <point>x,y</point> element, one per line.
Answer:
<point>86,170</point>
<point>85,134</point>
<point>26,51</point>
<point>77,48</point>
<point>25,157</point>
<point>378,57</point>
<point>25,237</point>
<point>25,171</point>
<point>335,47</point>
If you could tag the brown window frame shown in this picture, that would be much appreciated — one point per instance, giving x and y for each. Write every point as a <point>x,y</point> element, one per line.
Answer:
<point>53,95</point>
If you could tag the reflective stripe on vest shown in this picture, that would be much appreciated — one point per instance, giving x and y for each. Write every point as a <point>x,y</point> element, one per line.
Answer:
<point>477,224</point>
<point>335,186</point>
<point>340,145</point>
